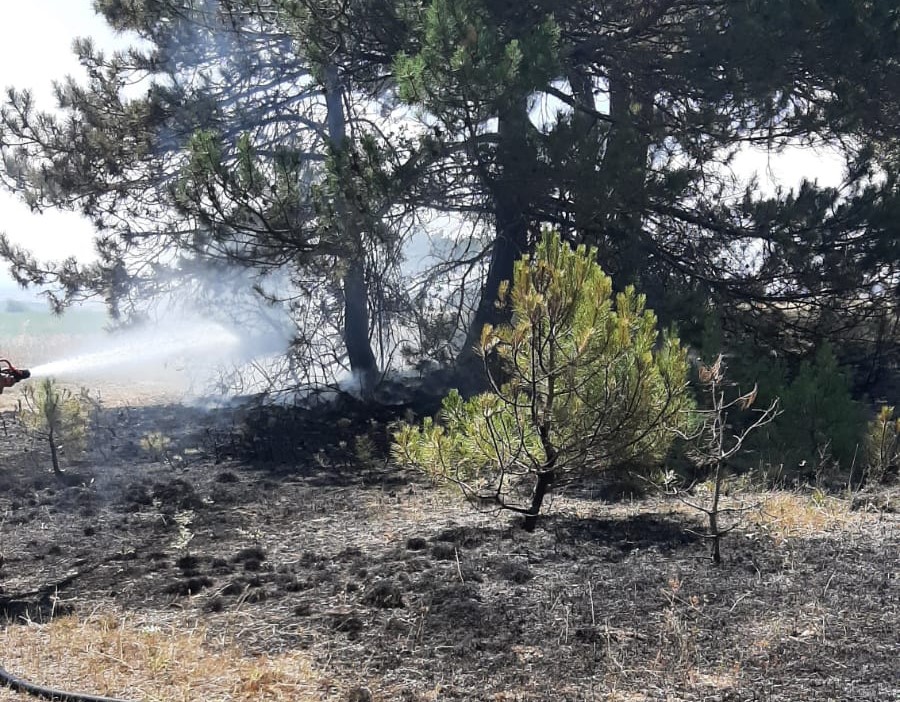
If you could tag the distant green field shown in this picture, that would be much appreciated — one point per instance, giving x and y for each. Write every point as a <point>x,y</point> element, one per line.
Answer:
<point>34,319</point>
<point>30,334</point>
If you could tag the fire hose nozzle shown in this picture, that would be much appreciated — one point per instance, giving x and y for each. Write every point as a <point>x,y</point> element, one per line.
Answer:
<point>12,374</point>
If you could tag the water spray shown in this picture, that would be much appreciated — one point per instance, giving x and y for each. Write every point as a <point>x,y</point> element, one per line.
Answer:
<point>149,347</point>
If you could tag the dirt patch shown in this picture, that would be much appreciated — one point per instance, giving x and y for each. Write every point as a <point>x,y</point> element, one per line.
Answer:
<point>392,592</point>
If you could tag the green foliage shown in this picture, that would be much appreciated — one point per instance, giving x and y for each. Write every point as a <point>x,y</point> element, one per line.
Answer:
<point>581,380</point>
<point>656,98</point>
<point>820,414</point>
<point>205,150</point>
<point>710,335</point>
<point>479,57</point>
<point>56,415</point>
<point>475,439</point>
<point>882,445</point>
<point>683,86</point>
<point>820,429</point>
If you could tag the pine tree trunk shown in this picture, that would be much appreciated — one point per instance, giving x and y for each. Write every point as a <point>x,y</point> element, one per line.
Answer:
<point>54,455</point>
<point>619,192</point>
<point>355,287</point>
<point>588,149</point>
<point>511,204</point>
<point>356,328</point>
<point>541,488</point>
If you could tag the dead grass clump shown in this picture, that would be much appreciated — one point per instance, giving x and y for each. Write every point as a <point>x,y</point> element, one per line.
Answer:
<point>798,514</point>
<point>108,655</point>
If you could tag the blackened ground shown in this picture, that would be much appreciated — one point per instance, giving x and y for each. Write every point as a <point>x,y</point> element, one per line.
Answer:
<point>305,537</point>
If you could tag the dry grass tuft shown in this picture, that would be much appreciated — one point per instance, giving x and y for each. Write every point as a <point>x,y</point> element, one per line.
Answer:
<point>786,514</point>
<point>110,655</point>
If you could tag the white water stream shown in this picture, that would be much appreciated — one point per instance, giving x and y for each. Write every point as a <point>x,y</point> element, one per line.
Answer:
<point>200,341</point>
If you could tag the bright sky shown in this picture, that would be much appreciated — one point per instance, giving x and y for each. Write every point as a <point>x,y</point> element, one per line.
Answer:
<point>36,49</point>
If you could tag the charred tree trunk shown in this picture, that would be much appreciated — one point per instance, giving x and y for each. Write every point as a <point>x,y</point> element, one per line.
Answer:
<point>356,327</point>
<point>54,453</point>
<point>354,284</point>
<point>510,191</point>
<point>543,485</point>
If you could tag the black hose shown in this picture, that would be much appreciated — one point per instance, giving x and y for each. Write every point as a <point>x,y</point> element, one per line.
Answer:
<point>49,693</point>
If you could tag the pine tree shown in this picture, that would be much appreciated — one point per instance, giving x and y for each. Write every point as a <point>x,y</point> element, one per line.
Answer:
<point>243,152</point>
<point>661,96</point>
<point>580,381</point>
<point>231,157</point>
<point>55,416</point>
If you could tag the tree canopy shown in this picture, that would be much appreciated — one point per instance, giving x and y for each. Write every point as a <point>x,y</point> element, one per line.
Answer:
<point>309,142</point>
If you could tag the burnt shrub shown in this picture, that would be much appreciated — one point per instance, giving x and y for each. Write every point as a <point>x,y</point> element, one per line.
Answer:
<point>384,594</point>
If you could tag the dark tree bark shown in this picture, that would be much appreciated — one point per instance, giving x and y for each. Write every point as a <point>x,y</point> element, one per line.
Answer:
<point>355,287</point>
<point>356,327</point>
<point>619,199</point>
<point>543,485</point>
<point>511,198</point>
<point>54,454</point>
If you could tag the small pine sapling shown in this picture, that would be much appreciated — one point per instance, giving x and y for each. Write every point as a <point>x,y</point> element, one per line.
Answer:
<point>56,415</point>
<point>882,446</point>
<point>714,444</point>
<point>581,380</point>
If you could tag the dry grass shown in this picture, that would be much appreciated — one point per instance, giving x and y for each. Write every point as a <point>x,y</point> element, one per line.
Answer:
<point>119,656</point>
<point>780,514</point>
<point>792,514</point>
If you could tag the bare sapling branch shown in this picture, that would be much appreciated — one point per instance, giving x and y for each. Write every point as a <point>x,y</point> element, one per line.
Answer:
<point>714,442</point>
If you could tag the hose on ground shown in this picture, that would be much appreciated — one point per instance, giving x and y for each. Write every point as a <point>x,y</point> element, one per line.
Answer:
<point>20,685</point>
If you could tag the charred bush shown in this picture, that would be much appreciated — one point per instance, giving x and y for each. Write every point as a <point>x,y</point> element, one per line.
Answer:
<point>346,431</point>
<point>191,586</point>
<point>176,494</point>
<point>188,564</point>
<point>384,594</point>
<point>251,553</point>
<point>416,543</point>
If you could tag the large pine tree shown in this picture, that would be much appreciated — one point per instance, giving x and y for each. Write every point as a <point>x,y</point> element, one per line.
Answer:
<point>246,148</point>
<point>660,96</point>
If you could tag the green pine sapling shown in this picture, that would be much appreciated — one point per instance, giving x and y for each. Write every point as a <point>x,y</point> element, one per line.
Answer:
<point>54,414</point>
<point>581,380</point>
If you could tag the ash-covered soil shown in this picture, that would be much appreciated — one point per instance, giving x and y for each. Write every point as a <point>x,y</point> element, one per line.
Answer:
<point>308,538</point>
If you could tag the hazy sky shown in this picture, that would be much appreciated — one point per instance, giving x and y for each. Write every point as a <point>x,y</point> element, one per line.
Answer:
<point>36,49</point>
